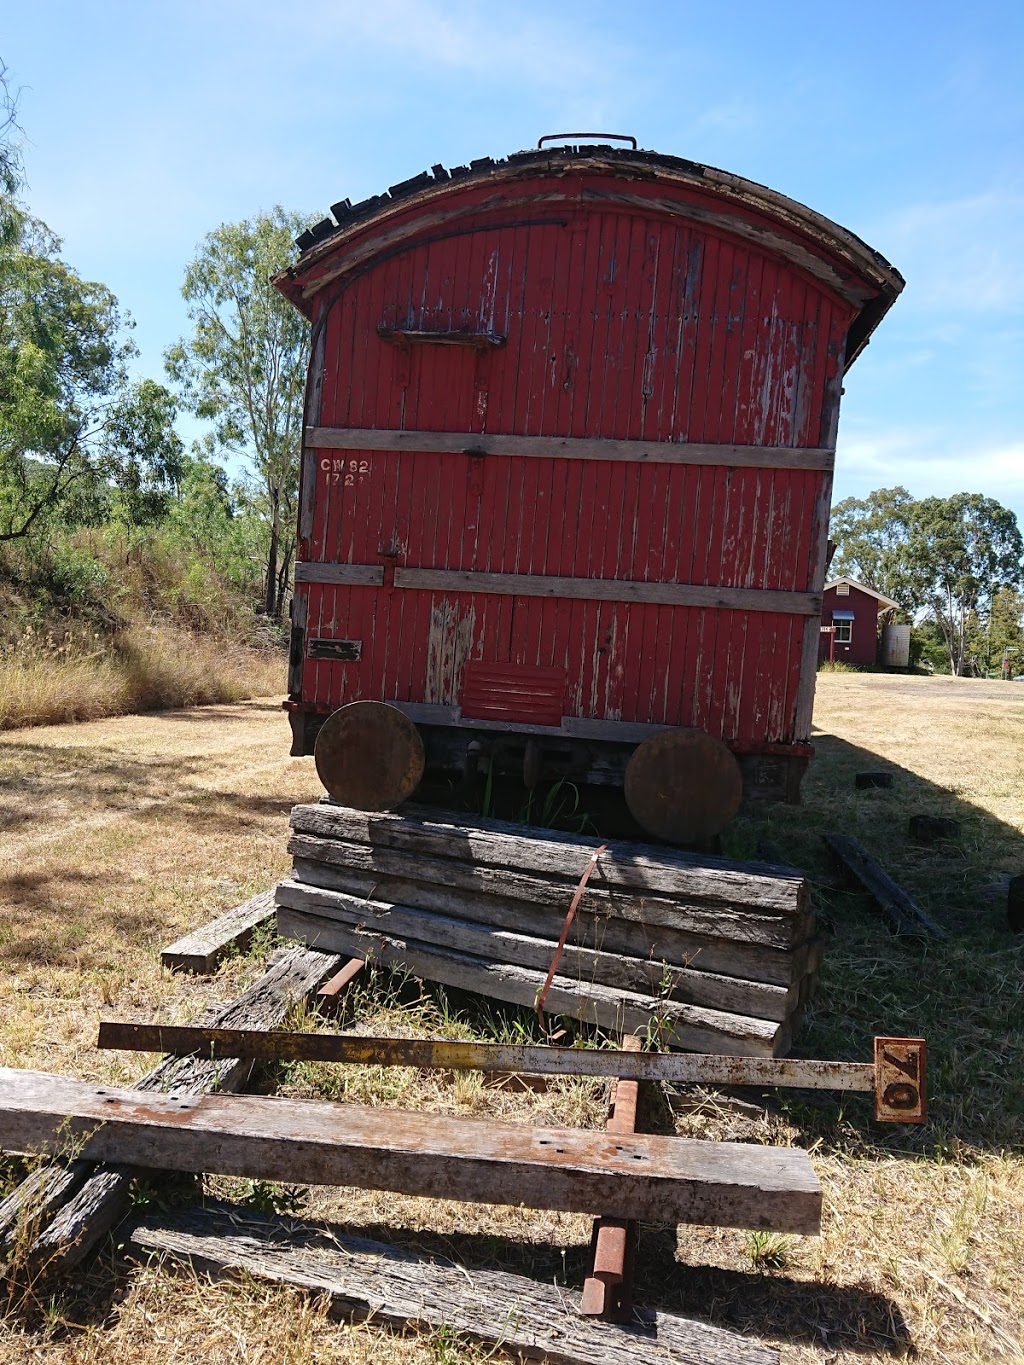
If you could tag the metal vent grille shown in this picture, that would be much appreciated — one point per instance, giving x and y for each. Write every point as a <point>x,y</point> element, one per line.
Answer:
<point>512,692</point>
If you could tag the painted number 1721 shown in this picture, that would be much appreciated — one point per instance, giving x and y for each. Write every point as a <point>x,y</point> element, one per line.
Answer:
<point>345,472</point>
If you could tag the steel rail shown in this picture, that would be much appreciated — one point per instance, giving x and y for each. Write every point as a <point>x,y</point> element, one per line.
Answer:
<point>442,1054</point>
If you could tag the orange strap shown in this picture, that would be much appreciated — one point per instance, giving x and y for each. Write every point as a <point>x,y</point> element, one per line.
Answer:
<point>570,916</point>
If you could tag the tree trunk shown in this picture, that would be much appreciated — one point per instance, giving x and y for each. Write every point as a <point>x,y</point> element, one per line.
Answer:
<point>282,578</point>
<point>275,517</point>
<point>949,631</point>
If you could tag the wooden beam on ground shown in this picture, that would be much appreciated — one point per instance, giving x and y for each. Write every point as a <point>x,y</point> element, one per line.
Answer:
<point>200,951</point>
<point>684,876</point>
<point>735,942</point>
<point>693,1027</point>
<point>33,1202</point>
<point>608,1288</point>
<point>665,1179</point>
<point>737,995</point>
<point>906,915</point>
<point>104,1197</point>
<point>407,1290</point>
<point>441,1054</point>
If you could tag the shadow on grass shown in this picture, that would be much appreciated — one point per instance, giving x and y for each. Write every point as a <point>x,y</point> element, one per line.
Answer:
<point>84,778</point>
<point>963,995</point>
<point>756,1304</point>
<point>226,713</point>
<point>222,811</point>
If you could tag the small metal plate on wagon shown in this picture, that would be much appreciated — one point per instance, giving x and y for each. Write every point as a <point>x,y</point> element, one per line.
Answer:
<point>369,755</point>
<point>344,651</point>
<point>683,785</point>
<point>900,1080</point>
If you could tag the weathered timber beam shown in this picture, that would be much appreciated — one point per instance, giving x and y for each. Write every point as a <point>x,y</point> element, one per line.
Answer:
<point>688,877</point>
<point>715,597</point>
<point>693,1027</point>
<point>34,1201</point>
<point>355,575</point>
<point>104,1197</point>
<point>200,951</point>
<point>751,955</point>
<point>584,589</point>
<point>406,1290</point>
<point>458,885</point>
<point>434,1155</point>
<point>647,975</point>
<point>570,448</point>
<point>906,915</point>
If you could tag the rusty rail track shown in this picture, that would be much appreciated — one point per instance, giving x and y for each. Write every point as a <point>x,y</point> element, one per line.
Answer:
<point>896,1077</point>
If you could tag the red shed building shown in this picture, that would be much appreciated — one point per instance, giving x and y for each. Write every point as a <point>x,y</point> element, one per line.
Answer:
<point>570,429</point>
<point>849,622</point>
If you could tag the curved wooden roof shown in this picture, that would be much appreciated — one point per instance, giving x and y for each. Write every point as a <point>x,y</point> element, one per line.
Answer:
<point>335,247</point>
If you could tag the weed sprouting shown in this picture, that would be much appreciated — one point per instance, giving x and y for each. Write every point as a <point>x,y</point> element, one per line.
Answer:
<point>559,808</point>
<point>267,1197</point>
<point>767,1250</point>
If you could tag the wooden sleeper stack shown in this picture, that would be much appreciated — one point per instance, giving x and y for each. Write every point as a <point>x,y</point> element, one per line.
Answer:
<point>713,955</point>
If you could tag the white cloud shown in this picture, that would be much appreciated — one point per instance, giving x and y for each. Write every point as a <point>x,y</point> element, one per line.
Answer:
<point>464,36</point>
<point>961,254</point>
<point>731,117</point>
<point>931,462</point>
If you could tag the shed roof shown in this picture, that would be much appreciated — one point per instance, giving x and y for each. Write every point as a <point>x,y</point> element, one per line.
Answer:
<point>304,279</point>
<point>861,587</point>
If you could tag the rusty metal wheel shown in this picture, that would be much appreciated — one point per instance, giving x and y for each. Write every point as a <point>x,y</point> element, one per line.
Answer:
<point>683,786</point>
<point>369,755</point>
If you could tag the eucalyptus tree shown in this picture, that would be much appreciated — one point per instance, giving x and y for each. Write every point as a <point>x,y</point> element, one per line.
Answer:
<point>964,551</point>
<point>10,162</point>
<point>243,367</point>
<point>871,536</point>
<point>76,431</point>
<point>957,562</point>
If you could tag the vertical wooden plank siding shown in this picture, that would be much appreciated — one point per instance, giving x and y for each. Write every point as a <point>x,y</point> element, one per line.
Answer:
<point>619,321</point>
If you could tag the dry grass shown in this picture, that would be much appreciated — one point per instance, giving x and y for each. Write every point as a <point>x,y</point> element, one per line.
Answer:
<point>143,668</point>
<point>122,834</point>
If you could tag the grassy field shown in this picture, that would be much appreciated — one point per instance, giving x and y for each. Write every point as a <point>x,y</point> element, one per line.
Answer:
<point>121,834</point>
<point>94,622</point>
<point>142,668</point>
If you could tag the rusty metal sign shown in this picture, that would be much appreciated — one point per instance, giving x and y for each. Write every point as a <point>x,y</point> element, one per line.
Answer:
<point>900,1080</point>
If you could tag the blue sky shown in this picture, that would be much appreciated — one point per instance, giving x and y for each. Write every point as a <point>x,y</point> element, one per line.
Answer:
<point>149,124</point>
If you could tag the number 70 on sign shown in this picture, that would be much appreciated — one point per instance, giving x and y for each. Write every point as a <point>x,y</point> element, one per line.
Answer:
<point>900,1080</point>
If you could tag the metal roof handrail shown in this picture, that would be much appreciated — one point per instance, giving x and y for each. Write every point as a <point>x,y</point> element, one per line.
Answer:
<point>559,137</point>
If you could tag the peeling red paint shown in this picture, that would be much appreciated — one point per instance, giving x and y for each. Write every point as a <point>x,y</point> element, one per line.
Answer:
<point>589,303</point>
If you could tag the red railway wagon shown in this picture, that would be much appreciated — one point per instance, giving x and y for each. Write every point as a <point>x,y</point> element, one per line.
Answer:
<point>570,429</point>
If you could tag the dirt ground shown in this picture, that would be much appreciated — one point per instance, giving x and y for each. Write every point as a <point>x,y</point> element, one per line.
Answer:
<point>118,836</point>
